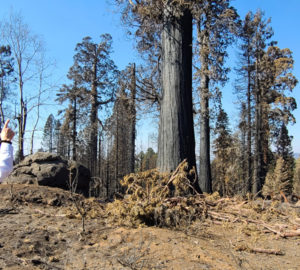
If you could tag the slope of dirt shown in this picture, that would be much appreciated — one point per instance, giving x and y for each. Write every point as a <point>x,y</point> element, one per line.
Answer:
<point>40,228</point>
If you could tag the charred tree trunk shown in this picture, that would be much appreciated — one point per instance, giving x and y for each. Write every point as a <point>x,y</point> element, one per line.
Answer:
<point>257,165</point>
<point>176,129</point>
<point>117,163</point>
<point>249,131</point>
<point>107,179</point>
<point>244,157</point>
<point>94,125</point>
<point>205,168</point>
<point>132,120</point>
<point>22,124</point>
<point>22,117</point>
<point>100,155</point>
<point>74,135</point>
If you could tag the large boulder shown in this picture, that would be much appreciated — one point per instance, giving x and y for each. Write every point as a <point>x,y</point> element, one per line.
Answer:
<point>48,169</point>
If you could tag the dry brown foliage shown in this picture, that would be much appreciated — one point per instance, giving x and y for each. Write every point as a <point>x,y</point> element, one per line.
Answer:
<point>166,200</point>
<point>296,184</point>
<point>154,198</point>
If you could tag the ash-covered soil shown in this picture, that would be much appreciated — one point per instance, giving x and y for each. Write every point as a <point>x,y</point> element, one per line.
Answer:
<point>40,228</point>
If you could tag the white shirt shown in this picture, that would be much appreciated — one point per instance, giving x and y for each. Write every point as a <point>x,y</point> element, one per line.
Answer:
<point>6,160</point>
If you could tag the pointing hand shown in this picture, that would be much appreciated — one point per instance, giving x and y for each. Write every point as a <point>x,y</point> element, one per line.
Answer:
<point>7,134</point>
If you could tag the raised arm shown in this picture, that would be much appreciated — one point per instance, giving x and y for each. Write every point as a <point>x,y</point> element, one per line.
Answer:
<point>6,151</point>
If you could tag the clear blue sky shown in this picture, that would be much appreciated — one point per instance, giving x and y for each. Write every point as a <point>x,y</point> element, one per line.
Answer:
<point>63,23</point>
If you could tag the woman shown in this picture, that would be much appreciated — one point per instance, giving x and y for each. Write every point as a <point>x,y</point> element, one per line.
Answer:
<point>6,151</point>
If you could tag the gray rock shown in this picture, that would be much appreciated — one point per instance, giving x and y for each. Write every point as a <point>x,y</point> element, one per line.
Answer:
<point>48,169</point>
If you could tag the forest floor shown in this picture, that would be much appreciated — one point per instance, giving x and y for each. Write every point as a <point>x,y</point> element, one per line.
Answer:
<point>40,228</point>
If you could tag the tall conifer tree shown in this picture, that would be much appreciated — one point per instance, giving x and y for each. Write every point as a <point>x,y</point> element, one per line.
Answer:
<point>98,74</point>
<point>216,22</point>
<point>48,135</point>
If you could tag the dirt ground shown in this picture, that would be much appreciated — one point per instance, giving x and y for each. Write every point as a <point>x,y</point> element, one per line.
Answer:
<point>40,228</point>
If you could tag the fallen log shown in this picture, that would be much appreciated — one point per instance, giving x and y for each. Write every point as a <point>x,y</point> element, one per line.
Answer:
<point>259,250</point>
<point>266,251</point>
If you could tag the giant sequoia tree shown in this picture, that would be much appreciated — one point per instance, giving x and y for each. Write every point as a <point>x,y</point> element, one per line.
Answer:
<point>176,128</point>
<point>98,74</point>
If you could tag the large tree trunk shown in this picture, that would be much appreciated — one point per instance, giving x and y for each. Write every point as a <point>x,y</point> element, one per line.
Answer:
<point>74,133</point>
<point>117,137</point>
<point>205,168</point>
<point>249,133</point>
<point>132,120</point>
<point>100,165</point>
<point>243,128</point>
<point>176,129</point>
<point>257,164</point>
<point>94,125</point>
<point>22,117</point>
<point>22,124</point>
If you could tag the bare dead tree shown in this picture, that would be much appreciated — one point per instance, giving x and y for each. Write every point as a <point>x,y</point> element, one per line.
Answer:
<point>26,48</point>
<point>42,67</point>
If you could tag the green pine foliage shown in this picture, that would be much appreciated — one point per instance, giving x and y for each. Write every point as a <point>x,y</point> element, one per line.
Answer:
<point>146,161</point>
<point>6,78</point>
<point>48,135</point>
<point>6,72</point>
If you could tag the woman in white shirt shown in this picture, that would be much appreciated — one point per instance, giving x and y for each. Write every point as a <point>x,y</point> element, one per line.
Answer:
<point>6,151</point>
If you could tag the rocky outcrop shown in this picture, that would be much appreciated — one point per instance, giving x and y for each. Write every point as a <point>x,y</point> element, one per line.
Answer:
<point>48,169</point>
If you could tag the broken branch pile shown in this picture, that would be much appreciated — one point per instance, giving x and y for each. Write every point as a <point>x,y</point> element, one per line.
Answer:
<point>165,200</point>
